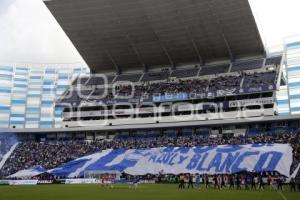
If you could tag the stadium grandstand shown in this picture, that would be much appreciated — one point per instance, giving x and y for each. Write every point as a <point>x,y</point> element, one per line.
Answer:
<point>178,92</point>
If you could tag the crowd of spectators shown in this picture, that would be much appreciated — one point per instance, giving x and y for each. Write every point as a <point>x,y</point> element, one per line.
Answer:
<point>48,155</point>
<point>198,86</point>
<point>6,142</point>
<point>259,79</point>
<point>170,87</point>
<point>175,86</point>
<point>53,154</point>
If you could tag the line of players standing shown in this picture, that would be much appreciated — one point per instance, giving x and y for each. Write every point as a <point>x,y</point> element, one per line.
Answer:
<point>247,181</point>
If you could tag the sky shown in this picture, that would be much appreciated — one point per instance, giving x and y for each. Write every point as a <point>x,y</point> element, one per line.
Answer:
<point>30,34</point>
<point>276,20</point>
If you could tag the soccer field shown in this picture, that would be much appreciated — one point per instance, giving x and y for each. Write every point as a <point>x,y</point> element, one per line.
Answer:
<point>144,192</point>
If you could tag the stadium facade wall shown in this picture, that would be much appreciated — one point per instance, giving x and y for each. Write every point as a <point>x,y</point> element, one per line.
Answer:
<point>288,97</point>
<point>28,93</point>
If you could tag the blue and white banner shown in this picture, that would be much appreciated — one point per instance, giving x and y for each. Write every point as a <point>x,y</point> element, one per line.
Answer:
<point>28,173</point>
<point>220,159</point>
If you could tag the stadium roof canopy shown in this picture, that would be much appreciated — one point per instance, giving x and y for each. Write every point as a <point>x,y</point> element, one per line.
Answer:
<point>139,34</point>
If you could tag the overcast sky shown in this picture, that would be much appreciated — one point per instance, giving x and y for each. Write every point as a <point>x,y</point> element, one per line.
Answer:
<point>29,33</point>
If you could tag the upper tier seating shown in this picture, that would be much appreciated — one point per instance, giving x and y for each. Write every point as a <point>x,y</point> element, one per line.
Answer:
<point>183,86</point>
<point>247,65</point>
<point>227,82</point>
<point>259,79</point>
<point>155,76</point>
<point>263,81</point>
<point>100,80</point>
<point>128,77</point>
<point>217,69</point>
<point>75,96</point>
<point>81,80</point>
<point>184,73</point>
<point>273,61</point>
<point>99,93</point>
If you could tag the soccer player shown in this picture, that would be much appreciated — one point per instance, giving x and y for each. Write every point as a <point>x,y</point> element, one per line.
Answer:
<point>261,183</point>
<point>293,185</point>
<point>130,181</point>
<point>181,181</point>
<point>269,181</point>
<point>231,182</point>
<point>206,181</point>
<point>279,183</point>
<point>198,181</point>
<point>222,181</point>
<point>216,184</point>
<point>136,181</point>
<point>190,181</point>
<point>238,182</point>
<point>253,182</point>
<point>247,180</point>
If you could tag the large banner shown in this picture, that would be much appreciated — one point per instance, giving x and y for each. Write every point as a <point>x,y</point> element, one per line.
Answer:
<point>220,159</point>
<point>28,173</point>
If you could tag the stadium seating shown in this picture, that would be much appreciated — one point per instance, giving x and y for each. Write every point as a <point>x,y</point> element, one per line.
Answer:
<point>128,77</point>
<point>181,86</point>
<point>259,79</point>
<point>52,154</point>
<point>247,65</point>
<point>218,69</point>
<point>155,76</point>
<point>221,83</point>
<point>97,94</point>
<point>76,96</point>
<point>100,80</point>
<point>6,143</point>
<point>251,82</point>
<point>81,81</point>
<point>273,61</point>
<point>184,73</point>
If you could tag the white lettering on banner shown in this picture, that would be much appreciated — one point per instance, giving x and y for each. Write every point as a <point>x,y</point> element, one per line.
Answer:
<point>262,101</point>
<point>226,92</point>
<point>185,107</point>
<point>23,182</point>
<point>82,181</point>
<point>258,89</point>
<point>220,159</point>
<point>45,181</point>
<point>113,112</point>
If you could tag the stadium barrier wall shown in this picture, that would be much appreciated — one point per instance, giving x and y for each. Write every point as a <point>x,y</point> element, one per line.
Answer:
<point>82,181</point>
<point>248,114</point>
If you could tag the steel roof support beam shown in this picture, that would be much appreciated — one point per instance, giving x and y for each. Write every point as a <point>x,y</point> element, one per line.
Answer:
<point>169,57</point>
<point>118,69</point>
<point>188,31</point>
<point>138,55</point>
<point>201,60</point>
<point>231,55</point>
<point>165,50</point>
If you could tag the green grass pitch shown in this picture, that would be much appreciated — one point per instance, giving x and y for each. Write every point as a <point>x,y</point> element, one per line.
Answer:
<point>144,192</point>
